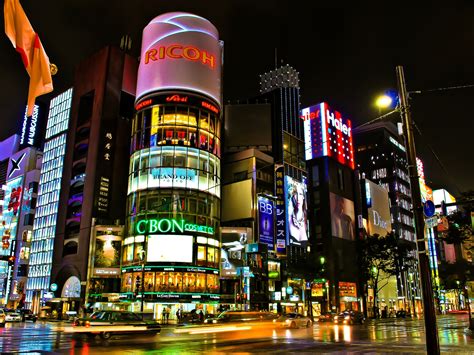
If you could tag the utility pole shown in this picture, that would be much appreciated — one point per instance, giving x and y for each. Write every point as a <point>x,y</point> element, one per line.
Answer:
<point>431,330</point>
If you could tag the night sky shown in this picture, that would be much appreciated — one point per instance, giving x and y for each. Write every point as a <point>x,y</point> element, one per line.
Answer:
<point>345,56</point>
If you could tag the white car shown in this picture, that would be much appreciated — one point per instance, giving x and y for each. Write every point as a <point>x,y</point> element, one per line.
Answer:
<point>13,317</point>
<point>293,320</point>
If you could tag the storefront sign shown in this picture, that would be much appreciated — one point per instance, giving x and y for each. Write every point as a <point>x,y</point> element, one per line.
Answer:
<point>347,289</point>
<point>170,225</point>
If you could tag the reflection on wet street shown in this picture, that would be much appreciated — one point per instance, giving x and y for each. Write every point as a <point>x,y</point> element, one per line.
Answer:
<point>388,335</point>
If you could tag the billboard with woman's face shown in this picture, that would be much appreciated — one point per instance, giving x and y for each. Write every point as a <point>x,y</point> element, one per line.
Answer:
<point>342,217</point>
<point>296,209</point>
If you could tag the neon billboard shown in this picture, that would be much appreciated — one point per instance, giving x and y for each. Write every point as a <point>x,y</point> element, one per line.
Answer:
<point>327,133</point>
<point>170,225</point>
<point>180,51</point>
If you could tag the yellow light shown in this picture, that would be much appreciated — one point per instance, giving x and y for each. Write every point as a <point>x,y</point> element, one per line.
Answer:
<point>383,101</point>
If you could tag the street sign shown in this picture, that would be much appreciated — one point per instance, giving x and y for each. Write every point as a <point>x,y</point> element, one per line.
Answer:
<point>431,222</point>
<point>429,208</point>
<point>53,287</point>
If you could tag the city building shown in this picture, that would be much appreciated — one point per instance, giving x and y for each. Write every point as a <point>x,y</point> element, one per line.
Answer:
<point>381,157</point>
<point>19,176</point>
<point>49,187</point>
<point>248,230</point>
<point>334,207</point>
<point>83,187</point>
<point>170,258</point>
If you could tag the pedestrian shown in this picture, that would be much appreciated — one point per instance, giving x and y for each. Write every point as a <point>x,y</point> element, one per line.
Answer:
<point>167,314</point>
<point>201,316</point>
<point>163,315</point>
<point>179,314</point>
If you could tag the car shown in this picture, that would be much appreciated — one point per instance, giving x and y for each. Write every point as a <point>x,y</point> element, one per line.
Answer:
<point>327,317</point>
<point>2,318</point>
<point>293,320</point>
<point>108,323</point>
<point>241,316</point>
<point>349,317</point>
<point>402,314</point>
<point>27,314</point>
<point>13,317</point>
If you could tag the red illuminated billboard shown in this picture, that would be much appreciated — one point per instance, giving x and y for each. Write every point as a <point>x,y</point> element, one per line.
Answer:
<point>327,133</point>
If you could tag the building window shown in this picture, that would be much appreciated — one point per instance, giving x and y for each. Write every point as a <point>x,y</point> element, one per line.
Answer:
<point>241,175</point>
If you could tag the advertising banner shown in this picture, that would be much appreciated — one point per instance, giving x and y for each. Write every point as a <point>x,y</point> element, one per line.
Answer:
<point>280,227</point>
<point>11,212</point>
<point>234,241</point>
<point>296,208</point>
<point>108,245</point>
<point>266,228</point>
<point>180,51</point>
<point>170,248</point>
<point>342,217</point>
<point>378,209</point>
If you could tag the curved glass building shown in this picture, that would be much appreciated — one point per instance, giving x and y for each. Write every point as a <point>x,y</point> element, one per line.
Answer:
<point>170,257</point>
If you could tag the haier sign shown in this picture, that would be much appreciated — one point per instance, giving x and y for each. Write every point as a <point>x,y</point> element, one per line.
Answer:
<point>327,133</point>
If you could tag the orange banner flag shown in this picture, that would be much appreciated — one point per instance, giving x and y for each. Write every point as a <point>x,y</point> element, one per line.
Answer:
<point>18,29</point>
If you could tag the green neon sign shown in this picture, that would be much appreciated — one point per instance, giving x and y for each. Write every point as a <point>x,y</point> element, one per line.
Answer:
<point>170,225</point>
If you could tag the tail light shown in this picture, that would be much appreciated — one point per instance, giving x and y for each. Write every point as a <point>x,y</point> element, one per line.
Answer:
<point>87,324</point>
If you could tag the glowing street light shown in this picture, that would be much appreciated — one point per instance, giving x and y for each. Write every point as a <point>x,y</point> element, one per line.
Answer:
<point>383,101</point>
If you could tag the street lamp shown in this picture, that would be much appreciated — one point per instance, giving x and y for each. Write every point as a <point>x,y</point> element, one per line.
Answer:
<point>432,341</point>
<point>383,101</point>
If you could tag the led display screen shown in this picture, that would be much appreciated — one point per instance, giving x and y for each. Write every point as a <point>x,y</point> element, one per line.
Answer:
<point>170,248</point>
<point>266,210</point>
<point>193,169</point>
<point>296,208</point>
<point>180,51</point>
<point>342,217</point>
<point>327,133</point>
<point>378,209</point>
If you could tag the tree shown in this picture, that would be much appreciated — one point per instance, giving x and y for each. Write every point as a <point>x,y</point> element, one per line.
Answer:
<point>377,261</point>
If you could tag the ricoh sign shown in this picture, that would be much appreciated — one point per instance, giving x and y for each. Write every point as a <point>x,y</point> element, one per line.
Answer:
<point>180,51</point>
<point>327,133</point>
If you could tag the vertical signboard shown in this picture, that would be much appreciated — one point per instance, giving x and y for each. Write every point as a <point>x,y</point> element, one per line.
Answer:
<point>280,209</point>
<point>266,228</point>
<point>105,164</point>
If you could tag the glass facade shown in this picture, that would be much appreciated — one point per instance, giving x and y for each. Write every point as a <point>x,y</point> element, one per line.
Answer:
<point>173,205</point>
<point>44,225</point>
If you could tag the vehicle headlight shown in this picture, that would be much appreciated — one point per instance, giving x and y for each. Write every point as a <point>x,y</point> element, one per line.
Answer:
<point>288,321</point>
<point>214,321</point>
<point>347,317</point>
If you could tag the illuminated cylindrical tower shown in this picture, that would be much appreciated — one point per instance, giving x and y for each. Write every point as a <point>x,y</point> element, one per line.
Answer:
<point>173,207</point>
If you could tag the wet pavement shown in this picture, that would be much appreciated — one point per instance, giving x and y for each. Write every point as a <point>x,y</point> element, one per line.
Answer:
<point>381,336</point>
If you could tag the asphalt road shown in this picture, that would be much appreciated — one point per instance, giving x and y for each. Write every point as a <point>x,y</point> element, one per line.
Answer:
<point>381,336</point>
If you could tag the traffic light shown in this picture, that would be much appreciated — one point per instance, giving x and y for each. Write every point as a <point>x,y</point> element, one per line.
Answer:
<point>11,260</point>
